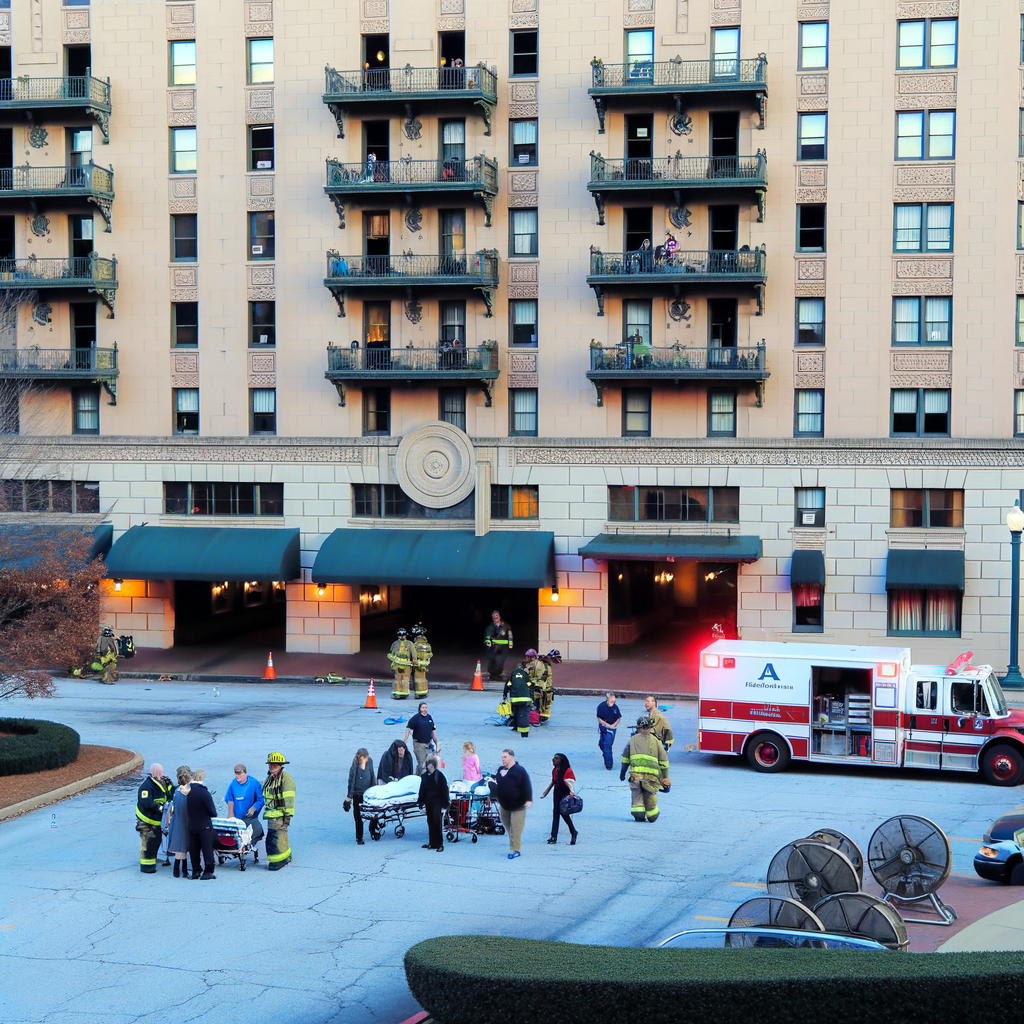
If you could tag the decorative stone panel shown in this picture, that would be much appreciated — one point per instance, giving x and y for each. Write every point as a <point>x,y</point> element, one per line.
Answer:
<point>373,28</point>
<point>923,182</point>
<point>524,21</point>
<point>682,17</point>
<point>810,278</point>
<point>812,10</point>
<point>1018,361</point>
<point>259,106</point>
<point>181,106</point>
<point>261,284</point>
<point>185,283</point>
<point>181,21</point>
<point>259,192</point>
<point>75,27</point>
<point>262,368</point>
<point>522,99</point>
<point>1020,275</point>
<point>523,199</point>
<point>375,10</point>
<point>185,369</point>
<point>645,20</point>
<point>452,7</point>
<point>259,19</point>
<point>811,182</point>
<point>435,465</point>
<point>809,369</point>
<point>522,370</point>
<point>921,92</point>
<point>922,276</point>
<point>5,28</point>
<point>182,197</point>
<point>932,9</point>
<point>812,92</point>
<point>921,368</point>
<point>725,12</point>
<point>522,6</point>
<point>522,181</point>
<point>523,280</point>
<point>639,5</point>
<point>451,24</point>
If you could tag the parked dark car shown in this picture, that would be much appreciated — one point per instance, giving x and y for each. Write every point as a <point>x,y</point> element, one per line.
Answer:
<point>1000,859</point>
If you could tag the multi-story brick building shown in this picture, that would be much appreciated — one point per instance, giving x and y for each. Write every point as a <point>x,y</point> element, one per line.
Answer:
<point>674,290</point>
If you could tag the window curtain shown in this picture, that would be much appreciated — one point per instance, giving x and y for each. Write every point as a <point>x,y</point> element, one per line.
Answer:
<point>454,132</point>
<point>524,133</point>
<point>723,412</point>
<point>905,611</point>
<point>807,595</point>
<point>942,611</point>
<point>638,318</point>
<point>904,401</point>
<point>524,232</point>
<point>810,497</point>
<point>453,314</point>
<point>188,400</point>
<point>936,402</point>
<point>810,406</point>
<point>264,400</point>
<point>908,227</point>
<point>940,225</point>
<point>524,311</point>
<point>811,312</point>
<point>906,314</point>
<point>937,317</point>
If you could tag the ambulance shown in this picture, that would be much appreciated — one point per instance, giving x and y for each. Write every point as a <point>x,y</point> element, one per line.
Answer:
<point>775,702</point>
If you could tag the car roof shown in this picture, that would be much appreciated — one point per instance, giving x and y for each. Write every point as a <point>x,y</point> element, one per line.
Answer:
<point>862,941</point>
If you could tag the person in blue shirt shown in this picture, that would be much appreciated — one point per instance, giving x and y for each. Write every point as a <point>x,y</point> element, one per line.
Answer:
<point>244,799</point>
<point>608,716</point>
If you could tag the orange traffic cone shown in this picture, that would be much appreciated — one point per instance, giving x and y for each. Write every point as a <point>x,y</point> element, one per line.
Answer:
<point>270,673</point>
<point>478,683</point>
<point>371,698</point>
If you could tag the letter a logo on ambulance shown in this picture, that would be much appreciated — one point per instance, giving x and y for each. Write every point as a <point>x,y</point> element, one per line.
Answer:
<point>768,672</point>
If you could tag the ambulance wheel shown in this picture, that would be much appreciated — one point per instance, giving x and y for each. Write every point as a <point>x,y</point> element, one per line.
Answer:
<point>767,752</point>
<point>1002,764</point>
<point>399,831</point>
<point>474,837</point>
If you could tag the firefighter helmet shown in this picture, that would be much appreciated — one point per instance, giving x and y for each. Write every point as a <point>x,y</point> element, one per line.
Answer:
<point>402,633</point>
<point>419,630</point>
<point>276,758</point>
<point>107,631</point>
<point>645,722</point>
<point>531,653</point>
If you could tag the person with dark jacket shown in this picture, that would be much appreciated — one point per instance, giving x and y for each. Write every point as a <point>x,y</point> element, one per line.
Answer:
<point>360,779</point>
<point>395,763</point>
<point>563,781</point>
<point>434,798</point>
<point>514,794</point>
<point>200,809</point>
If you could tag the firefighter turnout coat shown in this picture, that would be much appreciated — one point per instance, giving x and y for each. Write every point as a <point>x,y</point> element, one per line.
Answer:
<point>149,810</point>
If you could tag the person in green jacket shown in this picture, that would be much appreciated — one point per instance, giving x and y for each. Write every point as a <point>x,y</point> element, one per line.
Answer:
<point>278,809</point>
<point>518,690</point>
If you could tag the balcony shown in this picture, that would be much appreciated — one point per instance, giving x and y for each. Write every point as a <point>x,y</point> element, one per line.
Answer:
<point>36,185</point>
<point>62,365</point>
<point>444,362</point>
<point>476,271</point>
<point>655,270</point>
<point>384,89</point>
<point>477,176</point>
<point>640,363</point>
<point>657,177</point>
<point>58,99</point>
<point>679,82</point>
<point>74,273</point>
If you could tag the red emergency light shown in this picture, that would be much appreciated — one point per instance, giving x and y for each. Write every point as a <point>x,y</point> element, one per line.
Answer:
<point>710,660</point>
<point>962,662</point>
<point>887,670</point>
<point>728,663</point>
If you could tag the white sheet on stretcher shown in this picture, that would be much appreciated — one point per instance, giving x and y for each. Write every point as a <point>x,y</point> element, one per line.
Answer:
<point>235,825</point>
<point>475,789</point>
<point>393,794</point>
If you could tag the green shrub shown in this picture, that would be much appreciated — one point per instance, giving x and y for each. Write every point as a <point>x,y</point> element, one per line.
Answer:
<point>36,747</point>
<point>484,979</point>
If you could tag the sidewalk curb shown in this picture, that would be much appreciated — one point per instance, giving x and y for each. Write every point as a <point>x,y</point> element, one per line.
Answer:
<point>71,789</point>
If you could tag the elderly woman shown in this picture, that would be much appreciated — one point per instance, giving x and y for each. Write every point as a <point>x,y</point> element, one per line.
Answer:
<point>360,779</point>
<point>434,797</point>
<point>177,834</point>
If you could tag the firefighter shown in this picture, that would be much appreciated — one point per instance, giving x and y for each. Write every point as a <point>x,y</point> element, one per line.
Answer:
<point>401,656</point>
<point>105,659</point>
<point>646,762</point>
<point>422,653</point>
<point>498,641</point>
<point>279,807</point>
<point>518,686</point>
<point>154,793</point>
<point>542,685</point>
<point>661,729</point>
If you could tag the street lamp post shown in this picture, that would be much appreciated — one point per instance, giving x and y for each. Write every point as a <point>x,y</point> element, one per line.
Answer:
<point>1013,680</point>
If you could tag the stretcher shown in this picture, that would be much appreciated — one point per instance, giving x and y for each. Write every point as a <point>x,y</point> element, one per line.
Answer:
<point>472,810</point>
<point>393,803</point>
<point>232,837</point>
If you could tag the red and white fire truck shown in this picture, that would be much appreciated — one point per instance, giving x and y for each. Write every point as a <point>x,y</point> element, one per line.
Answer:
<point>772,702</point>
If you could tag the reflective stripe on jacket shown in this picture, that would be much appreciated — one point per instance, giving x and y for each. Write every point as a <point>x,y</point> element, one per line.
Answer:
<point>645,756</point>
<point>279,794</point>
<point>401,654</point>
<point>153,794</point>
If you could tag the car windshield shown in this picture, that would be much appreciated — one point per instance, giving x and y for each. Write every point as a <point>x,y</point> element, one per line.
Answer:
<point>996,697</point>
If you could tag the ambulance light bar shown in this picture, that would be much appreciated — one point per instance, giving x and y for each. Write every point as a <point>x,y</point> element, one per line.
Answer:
<point>710,660</point>
<point>887,670</point>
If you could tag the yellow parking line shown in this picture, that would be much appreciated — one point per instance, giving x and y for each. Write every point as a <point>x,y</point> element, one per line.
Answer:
<point>960,839</point>
<point>750,885</point>
<point>697,917</point>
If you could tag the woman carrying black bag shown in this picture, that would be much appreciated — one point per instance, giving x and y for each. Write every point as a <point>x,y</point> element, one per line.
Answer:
<point>564,782</point>
<point>434,797</point>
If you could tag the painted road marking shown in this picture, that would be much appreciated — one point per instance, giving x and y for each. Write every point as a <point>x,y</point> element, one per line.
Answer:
<point>698,917</point>
<point>750,885</point>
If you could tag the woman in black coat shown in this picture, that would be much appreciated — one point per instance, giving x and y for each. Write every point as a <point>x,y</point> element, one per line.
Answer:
<point>434,797</point>
<point>200,808</point>
<point>360,779</point>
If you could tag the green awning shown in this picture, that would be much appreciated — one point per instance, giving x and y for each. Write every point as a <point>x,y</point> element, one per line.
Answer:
<point>22,544</point>
<point>205,553</point>
<point>637,547</point>
<point>808,568</point>
<point>924,570</point>
<point>438,558</point>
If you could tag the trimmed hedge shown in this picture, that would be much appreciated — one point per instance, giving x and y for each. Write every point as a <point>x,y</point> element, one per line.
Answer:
<point>484,979</point>
<point>38,746</point>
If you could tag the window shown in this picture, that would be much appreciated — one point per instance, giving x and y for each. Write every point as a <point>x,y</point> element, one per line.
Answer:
<point>807,600</point>
<point>925,135</point>
<point>452,406</point>
<point>930,508</point>
<point>1020,319</point>
<point>636,412</point>
<point>523,225</point>
<point>261,147</point>
<point>721,412</point>
<point>261,61</point>
<point>183,151</point>
<point>522,412</point>
<point>1018,414</point>
<point>813,45</point>
<point>453,150</point>
<point>49,496</point>
<point>80,149</point>
<point>376,411</point>
<point>924,612</point>
<point>523,144</point>
<point>183,63</point>
<point>927,321</point>
<point>810,321</point>
<point>640,55</point>
<point>389,501</point>
<point>725,54</point>
<point>264,410</point>
<point>811,141</point>
<point>223,499</point>
<point>1020,223</point>
<point>923,227</point>
<point>810,227</point>
<point>919,412</point>
<point>810,506</point>
<point>186,411</point>
<point>523,313</point>
<point>80,228</point>
<point>674,504</point>
<point>184,240</point>
<point>927,44</point>
<point>85,411</point>
<point>453,325</point>
<point>636,321</point>
<point>515,502</point>
<point>261,236</point>
<point>524,53</point>
<point>262,320</point>
<point>809,414</point>
<point>184,324</point>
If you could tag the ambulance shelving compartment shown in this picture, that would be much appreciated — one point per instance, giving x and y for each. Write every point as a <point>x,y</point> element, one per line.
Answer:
<point>841,711</point>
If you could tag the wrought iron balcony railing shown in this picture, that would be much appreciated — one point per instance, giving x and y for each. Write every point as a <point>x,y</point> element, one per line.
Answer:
<point>95,184</point>
<point>657,264</point>
<point>93,273</point>
<point>73,92</point>
<point>96,365</point>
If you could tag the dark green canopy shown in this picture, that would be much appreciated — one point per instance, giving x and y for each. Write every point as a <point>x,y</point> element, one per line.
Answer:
<point>672,548</point>
<point>808,568</point>
<point>924,570</point>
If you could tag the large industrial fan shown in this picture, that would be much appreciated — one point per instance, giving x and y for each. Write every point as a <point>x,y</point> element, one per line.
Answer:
<point>775,912</point>
<point>862,915</point>
<point>808,871</point>
<point>844,844</point>
<point>910,858</point>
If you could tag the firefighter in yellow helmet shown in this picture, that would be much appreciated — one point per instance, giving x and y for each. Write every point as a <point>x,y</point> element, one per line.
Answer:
<point>661,728</point>
<point>155,791</point>
<point>542,684</point>
<point>279,807</point>
<point>422,653</point>
<point>646,762</point>
<point>402,655</point>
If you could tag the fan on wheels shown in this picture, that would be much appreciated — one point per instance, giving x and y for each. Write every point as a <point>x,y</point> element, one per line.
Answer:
<point>863,915</point>
<point>808,871</point>
<point>844,844</point>
<point>775,912</point>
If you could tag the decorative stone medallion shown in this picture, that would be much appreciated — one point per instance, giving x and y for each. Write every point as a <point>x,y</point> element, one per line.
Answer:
<point>434,465</point>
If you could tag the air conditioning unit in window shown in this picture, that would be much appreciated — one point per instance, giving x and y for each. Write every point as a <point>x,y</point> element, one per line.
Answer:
<point>810,517</point>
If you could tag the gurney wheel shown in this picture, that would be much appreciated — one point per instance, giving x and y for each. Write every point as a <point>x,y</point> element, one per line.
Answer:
<point>474,838</point>
<point>241,864</point>
<point>450,836</point>
<point>499,830</point>
<point>399,831</point>
<point>220,861</point>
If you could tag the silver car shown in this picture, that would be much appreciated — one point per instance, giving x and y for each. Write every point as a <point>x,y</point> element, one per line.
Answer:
<point>764,938</point>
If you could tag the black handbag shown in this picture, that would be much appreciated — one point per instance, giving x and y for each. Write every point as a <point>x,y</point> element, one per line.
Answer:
<point>570,804</point>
